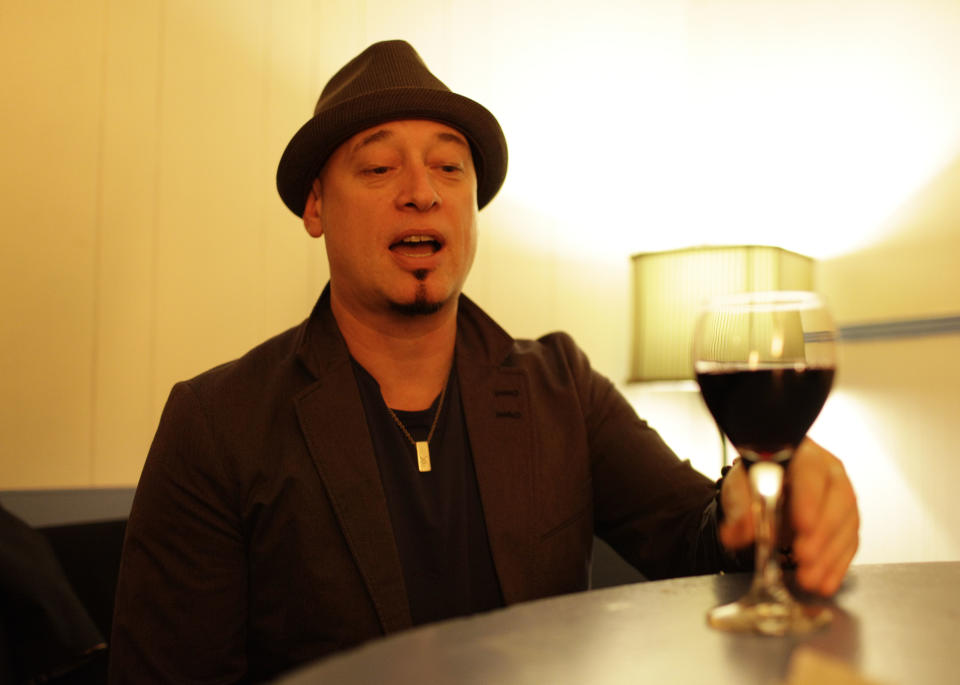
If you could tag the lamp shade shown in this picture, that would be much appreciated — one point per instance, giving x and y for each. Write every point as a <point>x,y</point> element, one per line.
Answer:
<point>670,287</point>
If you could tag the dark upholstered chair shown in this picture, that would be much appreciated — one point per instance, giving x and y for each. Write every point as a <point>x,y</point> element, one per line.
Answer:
<point>90,556</point>
<point>59,564</point>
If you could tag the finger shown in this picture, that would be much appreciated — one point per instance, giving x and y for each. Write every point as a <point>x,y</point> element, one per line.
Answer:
<point>735,495</point>
<point>827,536</point>
<point>737,529</point>
<point>845,534</point>
<point>809,475</point>
<point>835,578</point>
<point>825,573</point>
<point>739,534</point>
<point>838,507</point>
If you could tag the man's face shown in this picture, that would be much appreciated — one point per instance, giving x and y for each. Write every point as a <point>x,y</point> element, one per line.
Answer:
<point>397,204</point>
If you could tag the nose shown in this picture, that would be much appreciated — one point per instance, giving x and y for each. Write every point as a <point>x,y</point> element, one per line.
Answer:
<point>417,190</point>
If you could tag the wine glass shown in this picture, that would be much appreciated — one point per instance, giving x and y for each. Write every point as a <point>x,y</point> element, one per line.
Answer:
<point>765,362</point>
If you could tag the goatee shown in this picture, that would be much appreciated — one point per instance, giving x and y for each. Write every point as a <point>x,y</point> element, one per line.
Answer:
<point>421,306</point>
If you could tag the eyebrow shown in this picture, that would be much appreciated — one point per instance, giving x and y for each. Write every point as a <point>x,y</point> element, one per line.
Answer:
<point>452,138</point>
<point>375,137</point>
<point>385,134</point>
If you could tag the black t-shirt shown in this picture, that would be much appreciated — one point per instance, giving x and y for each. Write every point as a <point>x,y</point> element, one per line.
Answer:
<point>437,516</point>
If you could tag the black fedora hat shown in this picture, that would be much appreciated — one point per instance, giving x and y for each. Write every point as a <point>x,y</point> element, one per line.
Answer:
<point>386,82</point>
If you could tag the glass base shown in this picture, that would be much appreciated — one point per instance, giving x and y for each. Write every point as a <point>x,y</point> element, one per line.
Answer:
<point>769,617</point>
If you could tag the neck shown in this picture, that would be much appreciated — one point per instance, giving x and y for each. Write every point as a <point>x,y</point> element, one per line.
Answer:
<point>409,356</point>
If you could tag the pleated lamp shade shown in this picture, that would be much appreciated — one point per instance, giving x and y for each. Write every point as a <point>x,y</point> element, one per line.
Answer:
<point>670,287</point>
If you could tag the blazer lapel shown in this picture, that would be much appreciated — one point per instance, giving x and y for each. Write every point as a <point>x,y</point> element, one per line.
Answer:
<point>496,404</point>
<point>332,419</point>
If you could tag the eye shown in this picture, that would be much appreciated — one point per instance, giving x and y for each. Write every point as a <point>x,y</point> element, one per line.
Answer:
<point>377,170</point>
<point>450,168</point>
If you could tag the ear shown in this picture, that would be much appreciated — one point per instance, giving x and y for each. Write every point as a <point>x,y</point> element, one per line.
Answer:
<point>311,212</point>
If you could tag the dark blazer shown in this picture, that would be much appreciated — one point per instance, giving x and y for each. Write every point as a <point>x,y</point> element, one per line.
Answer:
<point>260,538</point>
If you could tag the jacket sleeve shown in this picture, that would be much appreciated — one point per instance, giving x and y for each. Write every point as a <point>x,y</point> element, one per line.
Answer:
<point>655,510</point>
<point>185,536</point>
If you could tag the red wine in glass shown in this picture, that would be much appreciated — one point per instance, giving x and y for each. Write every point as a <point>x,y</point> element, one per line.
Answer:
<point>765,412</point>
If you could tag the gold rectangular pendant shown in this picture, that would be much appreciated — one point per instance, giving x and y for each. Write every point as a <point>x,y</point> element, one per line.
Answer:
<point>423,456</point>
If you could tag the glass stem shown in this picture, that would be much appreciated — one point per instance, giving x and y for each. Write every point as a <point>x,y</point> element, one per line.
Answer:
<point>766,482</point>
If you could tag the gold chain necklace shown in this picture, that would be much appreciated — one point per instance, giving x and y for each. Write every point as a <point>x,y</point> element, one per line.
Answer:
<point>422,446</point>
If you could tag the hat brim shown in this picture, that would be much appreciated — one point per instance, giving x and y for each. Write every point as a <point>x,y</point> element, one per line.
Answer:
<point>312,145</point>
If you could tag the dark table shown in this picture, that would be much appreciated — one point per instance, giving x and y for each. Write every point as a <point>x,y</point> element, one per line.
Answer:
<point>896,623</point>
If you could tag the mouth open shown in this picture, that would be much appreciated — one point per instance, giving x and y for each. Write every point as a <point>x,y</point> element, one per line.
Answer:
<point>417,246</point>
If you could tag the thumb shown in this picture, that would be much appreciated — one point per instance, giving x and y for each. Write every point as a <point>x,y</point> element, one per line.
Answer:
<point>737,527</point>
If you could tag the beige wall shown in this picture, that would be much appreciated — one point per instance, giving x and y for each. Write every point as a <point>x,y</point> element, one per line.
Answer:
<point>896,415</point>
<point>143,240</point>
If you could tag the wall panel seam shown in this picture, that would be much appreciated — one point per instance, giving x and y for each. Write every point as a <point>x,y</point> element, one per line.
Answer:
<point>97,319</point>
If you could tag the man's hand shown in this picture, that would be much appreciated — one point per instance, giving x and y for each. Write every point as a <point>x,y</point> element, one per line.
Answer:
<point>822,512</point>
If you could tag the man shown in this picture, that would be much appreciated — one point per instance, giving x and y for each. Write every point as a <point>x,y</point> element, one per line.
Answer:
<point>398,458</point>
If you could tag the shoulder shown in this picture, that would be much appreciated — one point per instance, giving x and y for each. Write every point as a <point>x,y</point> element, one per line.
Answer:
<point>554,346</point>
<point>554,356</point>
<point>552,361</point>
<point>481,336</point>
<point>216,426</point>
<point>271,363</point>
<point>553,364</point>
